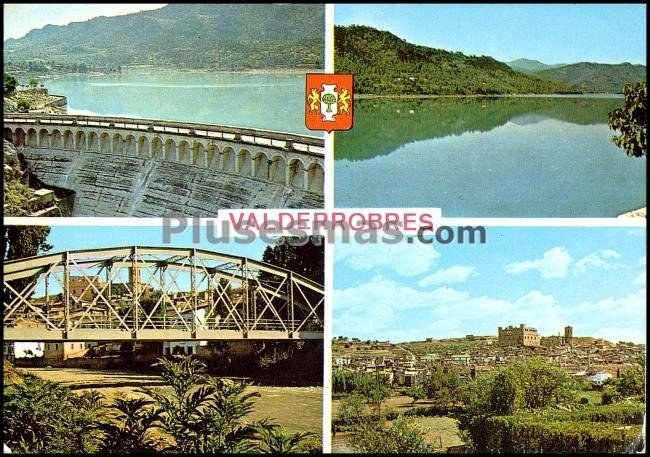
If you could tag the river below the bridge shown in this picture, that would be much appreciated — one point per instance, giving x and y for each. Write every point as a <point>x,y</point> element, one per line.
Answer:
<point>263,100</point>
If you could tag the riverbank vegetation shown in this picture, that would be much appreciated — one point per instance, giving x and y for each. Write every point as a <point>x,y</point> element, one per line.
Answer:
<point>199,413</point>
<point>630,120</point>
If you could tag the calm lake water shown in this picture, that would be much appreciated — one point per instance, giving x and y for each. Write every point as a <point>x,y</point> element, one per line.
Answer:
<point>496,157</point>
<point>269,101</point>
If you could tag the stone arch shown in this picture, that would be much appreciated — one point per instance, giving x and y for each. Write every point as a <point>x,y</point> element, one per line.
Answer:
<point>56,141</point>
<point>105,143</point>
<point>80,141</point>
<point>8,134</point>
<point>212,157</point>
<point>93,142</point>
<point>261,166</point>
<point>296,174</point>
<point>68,140</point>
<point>130,146</point>
<point>228,159</point>
<point>170,150</point>
<point>32,138</point>
<point>315,178</point>
<point>156,147</point>
<point>19,137</point>
<point>244,162</point>
<point>143,148</point>
<point>118,144</point>
<point>278,170</point>
<point>44,138</point>
<point>199,155</point>
<point>184,153</point>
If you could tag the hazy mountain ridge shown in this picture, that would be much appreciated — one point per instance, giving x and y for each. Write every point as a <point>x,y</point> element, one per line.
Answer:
<point>219,36</point>
<point>530,66</point>
<point>584,76</point>
<point>386,64</point>
<point>596,77</point>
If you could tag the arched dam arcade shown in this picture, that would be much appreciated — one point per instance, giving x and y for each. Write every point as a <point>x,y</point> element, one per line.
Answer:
<point>151,168</point>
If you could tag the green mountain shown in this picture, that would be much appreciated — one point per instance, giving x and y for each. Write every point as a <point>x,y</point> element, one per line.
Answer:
<point>384,64</point>
<point>530,66</point>
<point>215,36</point>
<point>596,77</point>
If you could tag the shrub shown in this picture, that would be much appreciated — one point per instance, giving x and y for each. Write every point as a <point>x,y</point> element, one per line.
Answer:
<point>22,105</point>
<point>43,417</point>
<point>528,434</point>
<point>391,414</point>
<point>400,437</point>
<point>351,412</point>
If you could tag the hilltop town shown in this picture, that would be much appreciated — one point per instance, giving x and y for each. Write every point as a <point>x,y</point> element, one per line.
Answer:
<point>409,364</point>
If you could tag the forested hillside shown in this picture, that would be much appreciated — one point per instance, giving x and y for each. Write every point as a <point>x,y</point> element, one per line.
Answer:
<point>384,64</point>
<point>596,77</point>
<point>214,36</point>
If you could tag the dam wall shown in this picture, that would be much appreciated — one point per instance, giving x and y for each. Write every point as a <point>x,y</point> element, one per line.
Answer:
<point>146,168</point>
<point>114,185</point>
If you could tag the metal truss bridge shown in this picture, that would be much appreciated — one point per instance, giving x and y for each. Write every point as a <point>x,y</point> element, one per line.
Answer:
<point>156,294</point>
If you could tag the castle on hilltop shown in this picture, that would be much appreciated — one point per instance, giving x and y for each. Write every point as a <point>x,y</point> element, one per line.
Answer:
<point>528,336</point>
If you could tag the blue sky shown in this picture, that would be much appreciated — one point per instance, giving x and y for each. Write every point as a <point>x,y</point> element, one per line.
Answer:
<point>20,19</point>
<point>551,33</point>
<point>591,278</point>
<point>87,237</point>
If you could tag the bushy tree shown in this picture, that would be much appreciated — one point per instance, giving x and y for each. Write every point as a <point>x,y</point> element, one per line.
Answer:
<point>377,395</point>
<point>542,383</point>
<point>416,393</point>
<point>352,411</point>
<point>400,437</point>
<point>630,382</point>
<point>22,106</point>
<point>631,120</point>
<point>41,416</point>
<point>503,394</point>
<point>10,84</point>
<point>33,82</point>
<point>443,386</point>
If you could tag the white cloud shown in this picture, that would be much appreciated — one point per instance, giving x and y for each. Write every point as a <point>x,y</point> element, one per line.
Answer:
<point>641,278</point>
<point>553,264</point>
<point>598,259</point>
<point>404,259</point>
<point>385,309</point>
<point>451,275</point>
<point>642,261</point>
<point>619,318</point>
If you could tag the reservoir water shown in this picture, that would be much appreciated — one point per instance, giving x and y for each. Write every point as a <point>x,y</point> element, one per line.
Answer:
<point>488,157</point>
<point>271,101</point>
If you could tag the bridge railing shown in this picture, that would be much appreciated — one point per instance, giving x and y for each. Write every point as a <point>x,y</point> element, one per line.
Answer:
<point>307,144</point>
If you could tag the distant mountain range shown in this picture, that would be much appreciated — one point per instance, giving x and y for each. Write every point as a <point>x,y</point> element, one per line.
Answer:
<point>530,66</point>
<point>383,63</point>
<point>386,64</point>
<point>215,36</point>
<point>584,76</point>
